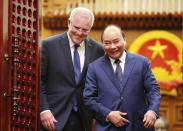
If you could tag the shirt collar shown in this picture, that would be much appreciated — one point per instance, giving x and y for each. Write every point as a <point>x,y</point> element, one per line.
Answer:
<point>122,58</point>
<point>72,44</point>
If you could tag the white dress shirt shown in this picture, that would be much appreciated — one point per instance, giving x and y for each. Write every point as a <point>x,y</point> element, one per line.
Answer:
<point>81,51</point>
<point>122,62</point>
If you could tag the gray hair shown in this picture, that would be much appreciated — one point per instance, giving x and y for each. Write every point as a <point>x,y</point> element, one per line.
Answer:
<point>83,12</point>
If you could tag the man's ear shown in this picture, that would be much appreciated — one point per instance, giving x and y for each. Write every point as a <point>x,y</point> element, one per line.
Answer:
<point>69,22</point>
<point>124,42</point>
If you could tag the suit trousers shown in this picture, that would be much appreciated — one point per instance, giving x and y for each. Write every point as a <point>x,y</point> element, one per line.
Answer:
<point>74,122</point>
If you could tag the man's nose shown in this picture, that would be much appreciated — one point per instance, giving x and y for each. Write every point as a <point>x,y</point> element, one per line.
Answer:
<point>80,31</point>
<point>113,45</point>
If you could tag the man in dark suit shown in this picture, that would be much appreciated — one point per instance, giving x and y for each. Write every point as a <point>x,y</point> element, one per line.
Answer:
<point>121,89</point>
<point>64,63</point>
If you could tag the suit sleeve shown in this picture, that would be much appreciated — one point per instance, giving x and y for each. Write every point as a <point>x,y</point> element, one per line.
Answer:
<point>44,67</point>
<point>91,99</point>
<point>152,88</point>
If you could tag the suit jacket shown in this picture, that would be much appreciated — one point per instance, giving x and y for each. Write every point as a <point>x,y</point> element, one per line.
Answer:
<point>139,92</point>
<point>58,85</point>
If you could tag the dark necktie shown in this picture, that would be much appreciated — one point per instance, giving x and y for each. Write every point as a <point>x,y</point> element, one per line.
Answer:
<point>77,67</point>
<point>77,70</point>
<point>118,72</point>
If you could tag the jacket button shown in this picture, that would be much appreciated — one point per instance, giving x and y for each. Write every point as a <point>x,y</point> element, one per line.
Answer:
<point>121,98</point>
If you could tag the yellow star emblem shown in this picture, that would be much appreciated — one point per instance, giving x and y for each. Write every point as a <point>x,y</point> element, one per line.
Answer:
<point>157,49</point>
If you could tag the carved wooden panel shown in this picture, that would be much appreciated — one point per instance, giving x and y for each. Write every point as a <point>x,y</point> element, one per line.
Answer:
<point>126,21</point>
<point>142,14</point>
<point>24,51</point>
<point>21,88</point>
<point>171,108</point>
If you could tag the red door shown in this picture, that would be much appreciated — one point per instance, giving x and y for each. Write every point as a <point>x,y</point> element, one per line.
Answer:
<point>19,71</point>
<point>4,71</point>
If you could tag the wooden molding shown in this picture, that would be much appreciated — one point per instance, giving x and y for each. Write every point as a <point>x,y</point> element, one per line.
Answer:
<point>126,21</point>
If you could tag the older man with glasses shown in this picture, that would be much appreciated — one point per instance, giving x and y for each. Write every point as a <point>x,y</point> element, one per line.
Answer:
<point>64,62</point>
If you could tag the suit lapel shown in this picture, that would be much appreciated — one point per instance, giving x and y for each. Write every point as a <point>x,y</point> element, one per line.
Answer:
<point>88,52</point>
<point>67,55</point>
<point>129,64</point>
<point>108,69</point>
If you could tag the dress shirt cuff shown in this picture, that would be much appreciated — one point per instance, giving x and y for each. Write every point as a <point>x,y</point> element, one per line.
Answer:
<point>44,111</point>
<point>107,120</point>
<point>154,113</point>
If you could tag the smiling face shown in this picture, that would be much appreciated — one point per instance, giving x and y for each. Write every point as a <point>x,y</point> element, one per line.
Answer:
<point>114,43</point>
<point>79,28</point>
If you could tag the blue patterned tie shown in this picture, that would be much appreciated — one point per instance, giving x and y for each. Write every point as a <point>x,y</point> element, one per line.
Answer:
<point>77,70</point>
<point>118,72</point>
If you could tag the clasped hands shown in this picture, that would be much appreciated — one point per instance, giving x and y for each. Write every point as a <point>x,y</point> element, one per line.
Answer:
<point>119,120</point>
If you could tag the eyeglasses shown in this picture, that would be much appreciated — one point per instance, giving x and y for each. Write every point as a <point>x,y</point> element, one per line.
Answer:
<point>78,29</point>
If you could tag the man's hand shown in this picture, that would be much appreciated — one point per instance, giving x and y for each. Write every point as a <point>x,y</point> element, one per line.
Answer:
<point>149,119</point>
<point>48,120</point>
<point>116,117</point>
